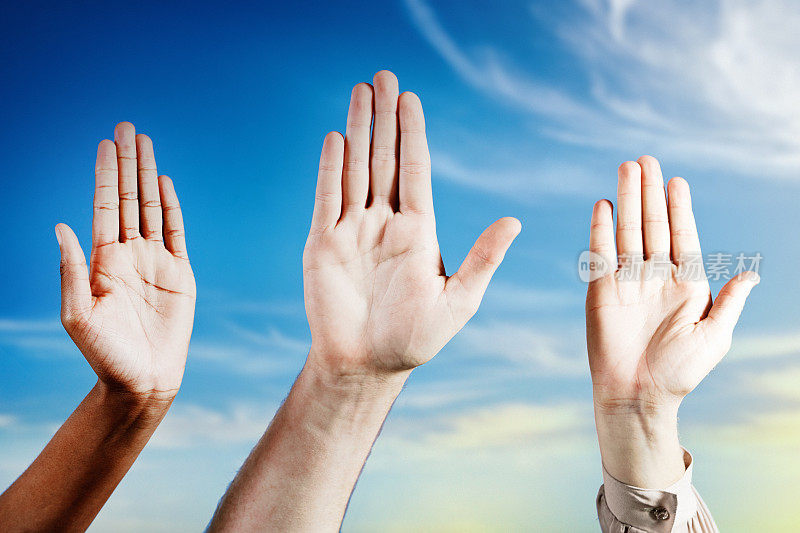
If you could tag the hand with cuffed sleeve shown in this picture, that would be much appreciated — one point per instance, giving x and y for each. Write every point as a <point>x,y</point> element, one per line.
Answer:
<point>653,329</point>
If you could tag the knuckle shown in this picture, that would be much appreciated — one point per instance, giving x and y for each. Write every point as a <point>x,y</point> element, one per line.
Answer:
<point>383,152</point>
<point>415,169</point>
<point>483,256</point>
<point>69,320</point>
<point>106,205</point>
<point>327,197</point>
<point>329,168</point>
<point>355,163</point>
<point>629,226</point>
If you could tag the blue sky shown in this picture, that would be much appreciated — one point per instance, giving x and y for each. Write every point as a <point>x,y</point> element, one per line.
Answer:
<point>530,108</point>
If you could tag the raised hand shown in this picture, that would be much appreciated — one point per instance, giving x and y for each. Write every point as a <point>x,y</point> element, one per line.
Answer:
<point>653,331</point>
<point>131,312</point>
<point>379,304</point>
<point>653,338</point>
<point>376,292</point>
<point>131,315</point>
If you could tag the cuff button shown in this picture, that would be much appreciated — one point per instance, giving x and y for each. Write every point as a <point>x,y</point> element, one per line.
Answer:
<point>660,513</point>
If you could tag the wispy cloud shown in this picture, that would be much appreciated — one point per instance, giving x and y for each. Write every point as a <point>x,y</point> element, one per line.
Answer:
<point>547,352</point>
<point>526,183</point>
<point>511,425</point>
<point>777,431</point>
<point>514,297</point>
<point>15,325</point>
<point>783,383</point>
<point>194,426</point>
<point>224,302</point>
<point>765,345</point>
<point>248,351</point>
<point>489,74</point>
<point>36,337</point>
<point>718,87</point>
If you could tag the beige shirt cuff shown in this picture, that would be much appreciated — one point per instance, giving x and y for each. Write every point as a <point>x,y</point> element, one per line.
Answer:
<point>677,508</point>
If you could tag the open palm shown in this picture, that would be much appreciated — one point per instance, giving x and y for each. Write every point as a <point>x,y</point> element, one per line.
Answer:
<point>376,292</point>
<point>652,331</point>
<point>131,313</point>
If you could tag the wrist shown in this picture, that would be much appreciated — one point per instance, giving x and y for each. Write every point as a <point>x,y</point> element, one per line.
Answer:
<point>639,442</point>
<point>141,408</point>
<point>351,384</point>
<point>359,368</point>
<point>352,399</point>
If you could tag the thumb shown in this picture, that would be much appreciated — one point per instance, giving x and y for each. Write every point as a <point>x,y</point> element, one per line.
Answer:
<point>724,314</point>
<point>469,283</point>
<point>76,295</point>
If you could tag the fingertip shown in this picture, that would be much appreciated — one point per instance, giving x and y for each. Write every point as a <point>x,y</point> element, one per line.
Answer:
<point>647,160</point>
<point>384,78</point>
<point>678,181</point>
<point>603,206</point>
<point>361,90</point>
<point>508,227</point>
<point>333,138</point>
<point>752,277</point>
<point>627,168</point>
<point>122,128</point>
<point>65,236</point>
<point>409,98</point>
<point>409,108</point>
<point>142,138</point>
<point>166,187</point>
<point>678,187</point>
<point>106,152</point>
<point>514,224</point>
<point>629,176</point>
<point>63,228</point>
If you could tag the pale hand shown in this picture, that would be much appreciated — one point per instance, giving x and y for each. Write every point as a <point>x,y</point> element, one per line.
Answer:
<point>652,341</point>
<point>131,313</point>
<point>377,296</point>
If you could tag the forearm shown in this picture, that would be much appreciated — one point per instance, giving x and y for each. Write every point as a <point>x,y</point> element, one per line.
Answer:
<point>639,444</point>
<point>70,481</point>
<point>300,475</point>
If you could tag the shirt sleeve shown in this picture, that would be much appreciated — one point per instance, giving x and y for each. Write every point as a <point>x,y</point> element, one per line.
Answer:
<point>678,508</point>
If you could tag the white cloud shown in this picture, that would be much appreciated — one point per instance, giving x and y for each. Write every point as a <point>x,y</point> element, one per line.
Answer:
<point>36,337</point>
<point>193,426</point>
<point>514,297</point>
<point>511,425</point>
<point>6,420</point>
<point>548,352</point>
<point>517,183</point>
<point>784,383</point>
<point>249,352</point>
<point>765,345</point>
<point>712,84</point>
<point>441,393</point>
<point>14,325</point>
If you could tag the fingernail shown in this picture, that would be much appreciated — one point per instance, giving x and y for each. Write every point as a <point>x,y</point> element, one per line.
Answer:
<point>58,235</point>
